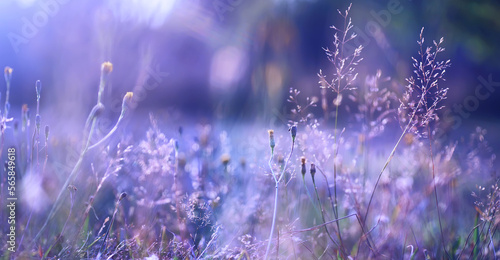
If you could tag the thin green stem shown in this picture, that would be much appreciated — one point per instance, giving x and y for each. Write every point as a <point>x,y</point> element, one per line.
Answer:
<point>324,220</point>
<point>435,192</point>
<point>274,221</point>
<point>387,163</point>
<point>309,195</point>
<point>277,180</point>
<point>78,164</point>
<point>335,208</point>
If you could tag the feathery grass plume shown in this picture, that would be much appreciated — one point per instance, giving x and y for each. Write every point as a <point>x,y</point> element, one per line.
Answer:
<point>423,92</point>
<point>421,100</point>
<point>300,114</point>
<point>419,105</point>
<point>344,62</point>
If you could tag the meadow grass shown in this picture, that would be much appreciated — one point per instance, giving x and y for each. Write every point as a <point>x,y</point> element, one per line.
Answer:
<point>201,192</point>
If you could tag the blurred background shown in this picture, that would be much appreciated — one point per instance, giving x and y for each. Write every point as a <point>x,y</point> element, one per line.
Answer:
<point>233,59</point>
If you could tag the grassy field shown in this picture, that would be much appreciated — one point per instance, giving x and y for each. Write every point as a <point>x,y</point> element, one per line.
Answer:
<point>367,169</point>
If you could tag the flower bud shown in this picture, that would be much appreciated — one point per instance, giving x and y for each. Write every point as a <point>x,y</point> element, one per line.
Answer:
<point>272,143</point>
<point>293,131</point>
<point>303,164</point>
<point>127,100</point>
<point>106,68</point>
<point>122,196</point>
<point>313,170</point>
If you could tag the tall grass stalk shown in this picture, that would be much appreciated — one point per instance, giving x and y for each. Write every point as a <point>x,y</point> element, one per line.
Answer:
<point>421,100</point>
<point>341,248</point>
<point>436,195</point>
<point>106,69</point>
<point>344,76</point>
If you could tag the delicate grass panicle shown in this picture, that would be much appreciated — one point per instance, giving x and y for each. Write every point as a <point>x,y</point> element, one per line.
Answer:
<point>423,95</point>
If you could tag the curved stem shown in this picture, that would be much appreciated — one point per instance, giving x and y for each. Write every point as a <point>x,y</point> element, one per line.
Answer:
<point>277,180</point>
<point>324,220</point>
<point>386,164</point>
<point>274,221</point>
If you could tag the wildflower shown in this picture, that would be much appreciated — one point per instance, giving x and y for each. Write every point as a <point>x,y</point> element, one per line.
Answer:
<point>272,143</point>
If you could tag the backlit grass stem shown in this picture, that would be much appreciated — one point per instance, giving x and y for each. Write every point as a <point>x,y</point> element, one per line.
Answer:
<point>277,179</point>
